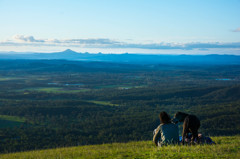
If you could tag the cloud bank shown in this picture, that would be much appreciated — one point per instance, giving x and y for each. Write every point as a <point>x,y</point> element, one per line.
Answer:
<point>22,40</point>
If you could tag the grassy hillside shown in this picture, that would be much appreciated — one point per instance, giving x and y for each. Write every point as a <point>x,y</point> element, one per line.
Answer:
<point>226,147</point>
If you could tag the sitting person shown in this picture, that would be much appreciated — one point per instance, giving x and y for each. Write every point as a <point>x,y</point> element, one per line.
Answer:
<point>167,132</point>
<point>202,139</point>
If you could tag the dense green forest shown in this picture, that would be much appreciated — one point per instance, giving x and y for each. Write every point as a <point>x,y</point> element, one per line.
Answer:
<point>56,103</point>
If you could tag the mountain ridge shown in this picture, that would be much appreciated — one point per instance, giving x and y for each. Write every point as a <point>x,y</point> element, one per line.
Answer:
<point>68,54</point>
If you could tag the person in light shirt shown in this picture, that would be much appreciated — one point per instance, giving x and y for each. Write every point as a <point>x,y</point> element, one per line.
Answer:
<point>167,132</point>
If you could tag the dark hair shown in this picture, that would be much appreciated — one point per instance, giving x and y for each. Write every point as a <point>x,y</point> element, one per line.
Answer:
<point>164,118</point>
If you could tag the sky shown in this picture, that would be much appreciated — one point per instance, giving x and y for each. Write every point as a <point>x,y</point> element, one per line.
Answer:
<point>120,26</point>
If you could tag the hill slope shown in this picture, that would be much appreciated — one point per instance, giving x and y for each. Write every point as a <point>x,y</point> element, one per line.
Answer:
<point>226,147</point>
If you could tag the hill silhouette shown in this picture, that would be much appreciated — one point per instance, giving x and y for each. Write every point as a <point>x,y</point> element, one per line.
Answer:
<point>69,54</point>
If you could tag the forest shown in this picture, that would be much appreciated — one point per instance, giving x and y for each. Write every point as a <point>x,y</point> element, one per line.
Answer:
<point>59,103</point>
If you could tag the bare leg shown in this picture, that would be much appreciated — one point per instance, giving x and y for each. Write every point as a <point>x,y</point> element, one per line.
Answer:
<point>185,130</point>
<point>183,138</point>
<point>194,136</point>
<point>184,134</point>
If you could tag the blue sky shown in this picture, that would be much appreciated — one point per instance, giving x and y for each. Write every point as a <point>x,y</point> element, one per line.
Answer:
<point>118,26</point>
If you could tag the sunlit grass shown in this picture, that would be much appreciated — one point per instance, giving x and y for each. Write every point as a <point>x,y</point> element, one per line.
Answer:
<point>7,121</point>
<point>53,90</point>
<point>103,103</point>
<point>107,86</point>
<point>226,147</point>
<point>12,118</point>
<point>9,78</point>
<point>127,86</point>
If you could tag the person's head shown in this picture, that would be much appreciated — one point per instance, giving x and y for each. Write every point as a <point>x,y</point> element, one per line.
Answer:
<point>164,118</point>
<point>179,117</point>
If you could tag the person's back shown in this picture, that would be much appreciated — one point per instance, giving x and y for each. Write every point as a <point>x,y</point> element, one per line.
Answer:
<point>167,132</point>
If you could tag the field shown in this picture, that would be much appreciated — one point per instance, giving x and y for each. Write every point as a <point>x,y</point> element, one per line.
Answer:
<point>53,90</point>
<point>46,104</point>
<point>10,121</point>
<point>103,103</point>
<point>226,147</point>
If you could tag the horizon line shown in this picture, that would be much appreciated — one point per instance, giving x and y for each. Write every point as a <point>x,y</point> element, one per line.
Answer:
<point>109,53</point>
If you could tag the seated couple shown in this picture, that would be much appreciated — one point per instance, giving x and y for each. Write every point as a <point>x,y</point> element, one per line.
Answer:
<point>167,133</point>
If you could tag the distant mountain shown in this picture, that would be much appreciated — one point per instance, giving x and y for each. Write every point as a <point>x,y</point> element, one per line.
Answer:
<point>68,54</point>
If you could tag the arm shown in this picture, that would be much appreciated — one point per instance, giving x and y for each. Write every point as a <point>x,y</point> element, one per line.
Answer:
<point>157,136</point>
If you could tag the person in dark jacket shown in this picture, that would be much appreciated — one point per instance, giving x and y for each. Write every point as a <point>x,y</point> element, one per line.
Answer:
<point>167,132</point>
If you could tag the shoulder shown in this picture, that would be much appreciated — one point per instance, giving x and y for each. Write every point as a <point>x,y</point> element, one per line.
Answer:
<point>167,124</point>
<point>159,127</point>
<point>170,125</point>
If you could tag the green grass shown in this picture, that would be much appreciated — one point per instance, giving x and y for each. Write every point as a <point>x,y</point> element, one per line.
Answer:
<point>9,78</point>
<point>226,147</point>
<point>12,118</point>
<point>125,86</point>
<point>7,121</point>
<point>102,103</point>
<point>107,86</point>
<point>54,90</point>
<point>9,124</point>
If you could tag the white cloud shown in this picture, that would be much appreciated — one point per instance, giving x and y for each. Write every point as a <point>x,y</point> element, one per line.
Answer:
<point>23,40</point>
